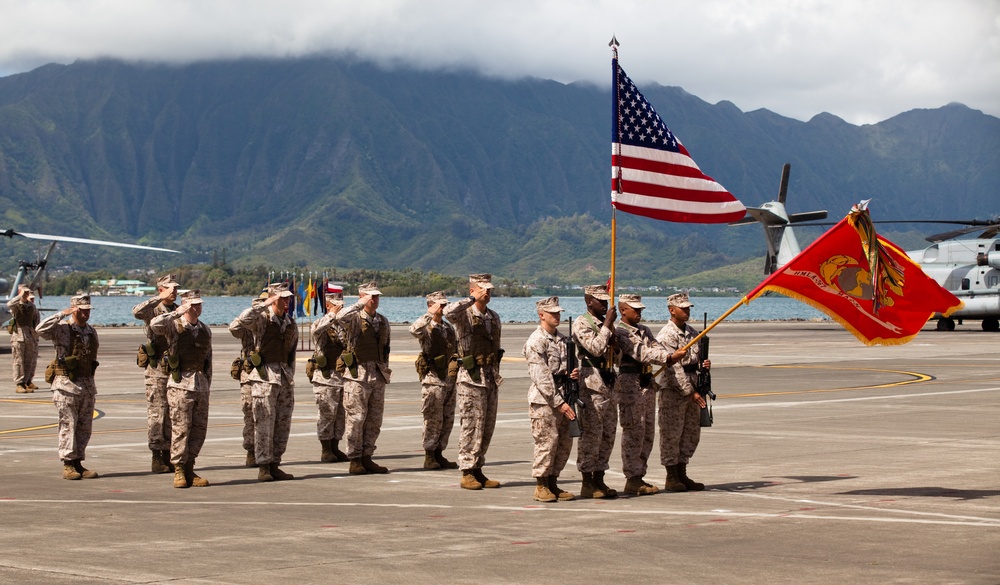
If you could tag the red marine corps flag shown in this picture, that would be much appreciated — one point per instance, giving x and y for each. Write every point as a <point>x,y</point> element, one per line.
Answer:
<point>862,281</point>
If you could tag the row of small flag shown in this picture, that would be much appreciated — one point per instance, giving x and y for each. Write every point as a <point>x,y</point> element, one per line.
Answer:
<point>310,294</point>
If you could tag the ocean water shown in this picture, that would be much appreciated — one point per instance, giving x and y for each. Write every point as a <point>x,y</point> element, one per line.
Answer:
<point>117,311</point>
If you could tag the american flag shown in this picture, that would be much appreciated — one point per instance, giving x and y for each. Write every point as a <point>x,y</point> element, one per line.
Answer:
<point>652,173</point>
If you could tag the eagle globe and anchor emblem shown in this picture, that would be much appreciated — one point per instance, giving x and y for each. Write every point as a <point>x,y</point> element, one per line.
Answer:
<point>846,275</point>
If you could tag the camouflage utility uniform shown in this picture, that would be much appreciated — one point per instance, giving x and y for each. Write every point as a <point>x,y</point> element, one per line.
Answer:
<point>328,385</point>
<point>155,373</point>
<point>23,343</point>
<point>73,390</point>
<point>188,390</point>
<point>437,361</point>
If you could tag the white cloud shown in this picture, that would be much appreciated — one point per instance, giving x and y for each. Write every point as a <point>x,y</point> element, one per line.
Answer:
<point>863,60</point>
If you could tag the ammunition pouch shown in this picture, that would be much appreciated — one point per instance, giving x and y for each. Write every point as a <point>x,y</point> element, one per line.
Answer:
<point>421,365</point>
<point>12,327</point>
<point>69,367</point>
<point>174,367</point>
<point>347,362</point>
<point>141,357</point>
<point>471,365</point>
<point>316,362</point>
<point>441,365</point>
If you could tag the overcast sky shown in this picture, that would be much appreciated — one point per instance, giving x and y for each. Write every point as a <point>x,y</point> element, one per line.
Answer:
<point>862,60</point>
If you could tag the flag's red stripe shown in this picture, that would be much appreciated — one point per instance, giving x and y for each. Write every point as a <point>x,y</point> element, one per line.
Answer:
<point>653,166</point>
<point>681,217</point>
<point>676,193</point>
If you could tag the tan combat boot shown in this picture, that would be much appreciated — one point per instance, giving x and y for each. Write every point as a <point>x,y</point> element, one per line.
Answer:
<point>357,468</point>
<point>372,467</point>
<point>690,484</point>
<point>69,470</point>
<point>327,455</point>
<point>31,386</point>
<point>22,389</point>
<point>481,478</point>
<point>636,487</point>
<point>561,494</point>
<point>251,460</point>
<point>609,492</point>
<point>589,489</point>
<point>444,463</point>
<point>278,474</point>
<point>83,471</point>
<point>430,462</point>
<point>158,465</point>
<point>165,456</point>
<point>264,474</point>
<point>674,483</point>
<point>180,478</point>
<point>542,491</point>
<point>469,481</point>
<point>193,479</point>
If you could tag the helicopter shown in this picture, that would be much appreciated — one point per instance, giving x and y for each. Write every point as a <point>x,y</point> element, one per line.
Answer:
<point>31,273</point>
<point>968,268</point>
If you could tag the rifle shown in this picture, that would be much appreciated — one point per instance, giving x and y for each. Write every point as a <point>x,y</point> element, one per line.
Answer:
<point>704,386</point>
<point>571,388</point>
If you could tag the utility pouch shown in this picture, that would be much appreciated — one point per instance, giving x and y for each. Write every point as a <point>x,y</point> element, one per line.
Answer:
<point>453,368</point>
<point>349,362</point>
<point>310,368</point>
<point>421,364</point>
<point>12,327</point>
<point>50,371</point>
<point>255,359</point>
<point>471,366</point>
<point>141,357</point>
<point>236,369</point>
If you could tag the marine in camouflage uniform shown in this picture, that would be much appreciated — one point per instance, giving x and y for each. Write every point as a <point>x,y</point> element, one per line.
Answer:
<point>153,353</point>
<point>366,333</point>
<point>247,346</point>
<point>73,388</point>
<point>437,366</point>
<point>272,377</point>
<point>478,384</point>
<point>545,352</point>
<point>593,333</point>
<point>23,338</point>
<point>680,403</point>
<point>634,394</point>
<point>189,358</point>
<point>327,383</point>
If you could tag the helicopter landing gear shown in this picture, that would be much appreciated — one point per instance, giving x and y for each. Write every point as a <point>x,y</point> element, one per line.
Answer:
<point>991,324</point>
<point>947,324</point>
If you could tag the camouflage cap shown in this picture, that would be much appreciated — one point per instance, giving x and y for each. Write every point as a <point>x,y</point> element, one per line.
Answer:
<point>437,297</point>
<point>481,280</point>
<point>192,297</point>
<point>335,298</point>
<point>634,301</point>
<point>549,305</point>
<point>679,300</point>
<point>369,288</point>
<point>598,291</point>
<point>81,301</point>
<point>279,289</point>
<point>166,281</point>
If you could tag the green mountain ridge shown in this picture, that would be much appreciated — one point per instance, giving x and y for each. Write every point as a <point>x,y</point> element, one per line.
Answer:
<point>324,162</point>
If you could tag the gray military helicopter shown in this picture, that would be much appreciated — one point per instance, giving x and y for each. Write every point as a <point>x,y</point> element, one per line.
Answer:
<point>31,273</point>
<point>969,268</point>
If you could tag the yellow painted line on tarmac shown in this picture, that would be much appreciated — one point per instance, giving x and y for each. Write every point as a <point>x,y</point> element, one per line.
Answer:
<point>917,378</point>
<point>97,414</point>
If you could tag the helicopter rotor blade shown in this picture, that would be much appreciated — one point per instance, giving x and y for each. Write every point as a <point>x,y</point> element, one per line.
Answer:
<point>11,233</point>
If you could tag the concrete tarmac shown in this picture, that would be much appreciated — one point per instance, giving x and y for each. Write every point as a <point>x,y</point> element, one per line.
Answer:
<point>829,462</point>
